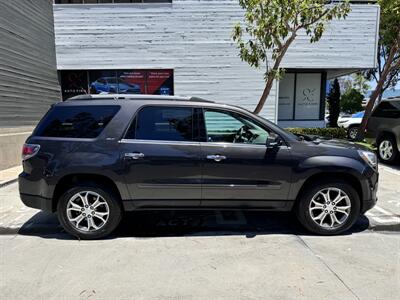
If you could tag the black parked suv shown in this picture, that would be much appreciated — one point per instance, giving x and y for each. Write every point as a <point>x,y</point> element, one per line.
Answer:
<point>93,157</point>
<point>384,130</point>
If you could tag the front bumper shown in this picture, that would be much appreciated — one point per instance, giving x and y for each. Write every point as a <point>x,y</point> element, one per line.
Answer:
<point>38,202</point>
<point>370,189</point>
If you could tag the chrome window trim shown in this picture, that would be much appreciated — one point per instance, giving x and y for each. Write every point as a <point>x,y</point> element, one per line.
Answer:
<point>188,143</point>
<point>226,145</point>
<point>159,142</point>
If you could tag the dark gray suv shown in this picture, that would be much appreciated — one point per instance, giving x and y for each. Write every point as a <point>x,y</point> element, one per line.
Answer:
<point>383,129</point>
<point>93,157</point>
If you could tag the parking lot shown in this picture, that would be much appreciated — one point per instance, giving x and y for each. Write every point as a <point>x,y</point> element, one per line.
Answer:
<point>202,255</point>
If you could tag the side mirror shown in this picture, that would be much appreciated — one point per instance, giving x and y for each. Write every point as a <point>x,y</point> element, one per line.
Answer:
<point>273,143</point>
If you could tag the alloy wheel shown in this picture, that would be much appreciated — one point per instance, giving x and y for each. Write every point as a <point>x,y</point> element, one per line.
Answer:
<point>353,133</point>
<point>386,150</point>
<point>330,208</point>
<point>87,211</point>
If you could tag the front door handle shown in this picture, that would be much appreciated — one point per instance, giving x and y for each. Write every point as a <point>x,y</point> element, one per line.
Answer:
<point>216,157</point>
<point>134,155</point>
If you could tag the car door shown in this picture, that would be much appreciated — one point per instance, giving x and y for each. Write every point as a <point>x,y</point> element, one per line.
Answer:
<point>162,160</point>
<point>238,169</point>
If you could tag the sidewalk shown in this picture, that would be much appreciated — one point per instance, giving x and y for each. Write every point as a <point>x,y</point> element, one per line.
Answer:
<point>10,175</point>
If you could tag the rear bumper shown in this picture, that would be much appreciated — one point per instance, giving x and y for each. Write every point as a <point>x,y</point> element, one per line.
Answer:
<point>34,192</point>
<point>37,202</point>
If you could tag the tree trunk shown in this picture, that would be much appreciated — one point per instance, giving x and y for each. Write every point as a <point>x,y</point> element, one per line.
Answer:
<point>376,93</point>
<point>264,95</point>
<point>271,78</point>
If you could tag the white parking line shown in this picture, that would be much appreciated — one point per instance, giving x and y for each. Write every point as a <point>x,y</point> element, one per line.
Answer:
<point>390,170</point>
<point>380,215</point>
<point>385,212</point>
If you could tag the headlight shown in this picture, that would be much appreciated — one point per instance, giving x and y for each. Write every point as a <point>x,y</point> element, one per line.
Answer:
<point>369,157</point>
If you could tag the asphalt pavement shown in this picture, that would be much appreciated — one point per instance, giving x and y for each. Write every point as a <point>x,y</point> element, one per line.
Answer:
<point>202,255</point>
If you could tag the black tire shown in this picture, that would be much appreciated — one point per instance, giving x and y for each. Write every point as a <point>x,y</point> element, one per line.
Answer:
<point>114,211</point>
<point>391,141</point>
<point>352,132</point>
<point>304,216</point>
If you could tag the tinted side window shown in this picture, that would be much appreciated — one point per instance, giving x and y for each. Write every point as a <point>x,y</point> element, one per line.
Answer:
<point>228,127</point>
<point>163,123</point>
<point>387,110</point>
<point>76,121</point>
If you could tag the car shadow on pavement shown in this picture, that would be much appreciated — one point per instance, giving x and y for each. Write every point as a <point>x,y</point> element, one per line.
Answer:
<point>147,224</point>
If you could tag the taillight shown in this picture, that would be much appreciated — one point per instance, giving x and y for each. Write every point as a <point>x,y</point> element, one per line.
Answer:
<point>29,150</point>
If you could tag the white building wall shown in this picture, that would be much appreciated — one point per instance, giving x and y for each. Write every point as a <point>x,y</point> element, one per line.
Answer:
<point>346,44</point>
<point>194,39</point>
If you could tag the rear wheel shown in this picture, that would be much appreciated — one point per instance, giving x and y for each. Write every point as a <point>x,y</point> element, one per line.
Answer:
<point>387,149</point>
<point>352,132</point>
<point>328,208</point>
<point>89,211</point>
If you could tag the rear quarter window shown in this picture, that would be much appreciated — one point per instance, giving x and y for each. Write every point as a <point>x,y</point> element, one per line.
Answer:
<point>387,109</point>
<point>162,124</point>
<point>76,121</point>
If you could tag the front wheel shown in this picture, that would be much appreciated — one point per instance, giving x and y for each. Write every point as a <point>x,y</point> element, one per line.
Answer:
<point>387,149</point>
<point>328,208</point>
<point>89,211</point>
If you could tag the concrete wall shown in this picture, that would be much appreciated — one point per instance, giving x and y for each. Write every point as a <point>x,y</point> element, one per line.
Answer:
<point>28,73</point>
<point>194,39</point>
<point>11,140</point>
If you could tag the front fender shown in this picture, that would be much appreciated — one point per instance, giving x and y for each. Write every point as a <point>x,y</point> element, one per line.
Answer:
<point>324,165</point>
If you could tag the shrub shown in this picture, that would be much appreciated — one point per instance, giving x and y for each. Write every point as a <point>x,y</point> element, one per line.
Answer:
<point>334,133</point>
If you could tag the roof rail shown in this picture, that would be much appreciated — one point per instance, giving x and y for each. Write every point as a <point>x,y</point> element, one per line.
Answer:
<point>134,97</point>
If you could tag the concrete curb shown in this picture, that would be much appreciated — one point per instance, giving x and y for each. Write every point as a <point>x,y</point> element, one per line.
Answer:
<point>3,184</point>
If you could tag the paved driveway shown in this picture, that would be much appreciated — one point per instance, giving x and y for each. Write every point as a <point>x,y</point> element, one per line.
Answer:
<point>202,255</point>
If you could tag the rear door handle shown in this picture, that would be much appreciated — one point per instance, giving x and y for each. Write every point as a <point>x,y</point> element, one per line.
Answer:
<point>134,155</point>
<point>216,157</point>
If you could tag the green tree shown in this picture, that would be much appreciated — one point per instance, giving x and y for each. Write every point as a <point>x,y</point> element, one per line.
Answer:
<point>271,26</point>
<point>351,101</point>
<point>388,57</point>
<point>360,83</point>
<point>334,103</point>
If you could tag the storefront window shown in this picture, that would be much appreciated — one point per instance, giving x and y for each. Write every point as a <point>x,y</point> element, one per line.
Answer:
<point>154,82</point>
<point>133,81</point>
<point>73,82</point>
<point>159,82</point>
<point>300,96</point>
<point>103,82</point>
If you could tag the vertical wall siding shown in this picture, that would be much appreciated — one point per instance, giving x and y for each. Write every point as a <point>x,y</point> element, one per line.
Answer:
<point>194,39</point>
<point>28,73</point>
